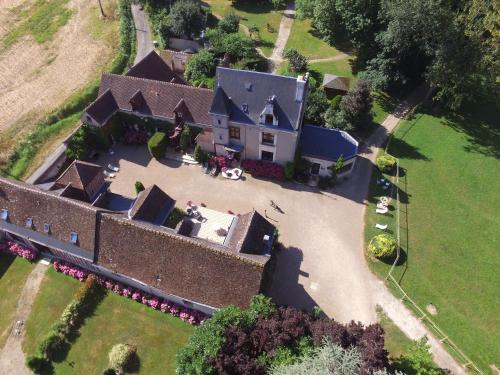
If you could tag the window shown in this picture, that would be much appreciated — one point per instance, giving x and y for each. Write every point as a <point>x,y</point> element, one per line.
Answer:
<point>4,214</point>
<point>218,121</point>
<point>73,237</point>
<point>46,228</point>
<point>267,156</point>
<point>234,132</point>
<point>269,119</point>
<point>268,138</point>
<point>29,222</point>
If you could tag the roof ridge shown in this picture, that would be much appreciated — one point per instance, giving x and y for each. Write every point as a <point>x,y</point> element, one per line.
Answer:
<point>162,82</point>
<point>257,72</point>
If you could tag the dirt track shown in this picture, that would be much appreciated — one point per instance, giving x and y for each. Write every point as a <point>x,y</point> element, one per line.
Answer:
<point>36,78</point>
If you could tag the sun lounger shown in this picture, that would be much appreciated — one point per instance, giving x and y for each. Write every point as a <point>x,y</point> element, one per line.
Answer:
<point>109,175</point>
<point>381,210</point>
<point>381,226</point>
<point>113,168</point>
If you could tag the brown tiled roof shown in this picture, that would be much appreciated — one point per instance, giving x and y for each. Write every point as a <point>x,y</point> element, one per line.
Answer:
<point>331,81</point>
<point>64,215</point>
<point>103,107</point>
<point>152,205</point>
<point>248,235</point>
<point>80,175</point>
<point>192,268</point>
<point>154,67</point>
<point>161,98</point>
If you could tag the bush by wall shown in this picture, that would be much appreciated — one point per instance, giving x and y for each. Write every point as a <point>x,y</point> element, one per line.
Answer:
<point>157,145</point>
<point>259,168</point>
<point>385,163</point>
<point>138,187</point>
<point>19,250</point>
<point>289,171</point>
<point>382,245</point>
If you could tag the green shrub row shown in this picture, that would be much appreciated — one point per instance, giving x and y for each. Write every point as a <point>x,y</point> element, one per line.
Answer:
<point>59,336</point>
<point>69,112</point>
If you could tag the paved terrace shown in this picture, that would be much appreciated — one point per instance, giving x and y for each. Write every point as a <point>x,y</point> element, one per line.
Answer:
<point>320,265</point>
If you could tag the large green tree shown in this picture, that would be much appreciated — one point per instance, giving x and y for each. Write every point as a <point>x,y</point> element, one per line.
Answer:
<point>186,18</point>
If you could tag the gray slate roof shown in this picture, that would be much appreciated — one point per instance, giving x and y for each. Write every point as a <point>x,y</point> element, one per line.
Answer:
<point>253,89</point>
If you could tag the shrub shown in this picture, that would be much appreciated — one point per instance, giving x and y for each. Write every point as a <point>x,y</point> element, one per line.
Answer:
<point>157,145</point>
<point>230,23</point>
<point>198,154</point>
<point>138,187</point>
<point>185,139</point>
<point>382,245</point>
<point>259,168</point>
<point>386,163</point>
<point>296,61</point>
<point>109,371</point>
<point>62,328</point>
<point>35,363</point>
<point>289,171</point>
<point>175,217</point>
<point>78,144</point>
<point>52,344</point>
<point>200,67</point>
<point>120,356</point>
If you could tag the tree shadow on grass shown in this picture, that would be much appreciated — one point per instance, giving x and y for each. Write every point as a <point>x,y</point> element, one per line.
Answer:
<point>403,150</point>
<point>5,261</point>
<point>255,6</point>
<point>480,124</point>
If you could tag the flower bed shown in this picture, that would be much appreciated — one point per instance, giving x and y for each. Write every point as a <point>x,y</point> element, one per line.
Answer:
<point>19,250</point>
<point>133,137</point>
<point>259,168</point>
<point>190,316</point>
<point>219,160</point>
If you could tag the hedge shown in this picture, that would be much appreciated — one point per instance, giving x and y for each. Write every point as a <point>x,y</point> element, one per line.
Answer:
<point>157,145</point>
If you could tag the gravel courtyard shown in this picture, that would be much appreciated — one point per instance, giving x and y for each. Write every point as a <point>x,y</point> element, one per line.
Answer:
<point>319,265</point>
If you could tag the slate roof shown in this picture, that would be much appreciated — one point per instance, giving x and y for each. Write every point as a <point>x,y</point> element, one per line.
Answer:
<point>336,82</point>
<point>103,107</point>
<point>152,205</point>
<point>80,175</point>
<point>64,215</point>
<point>221,103</point>
<point>160,98</point>
<point>253,89</point>
<point>327,144</point>
<point>153,67</point>
<point>248,234</point>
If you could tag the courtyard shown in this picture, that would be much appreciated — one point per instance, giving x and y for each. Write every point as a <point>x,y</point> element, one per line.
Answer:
<point>320,264</point>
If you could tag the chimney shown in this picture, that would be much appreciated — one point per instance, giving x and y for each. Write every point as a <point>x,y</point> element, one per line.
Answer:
<point>301,87</point>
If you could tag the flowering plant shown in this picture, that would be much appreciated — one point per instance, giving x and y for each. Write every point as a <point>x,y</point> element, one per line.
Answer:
<point>259,168</point>
<point>19,250</point>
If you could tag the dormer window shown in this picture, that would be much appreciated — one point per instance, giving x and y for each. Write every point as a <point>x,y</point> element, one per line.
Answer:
<point>29,222</point>
<point>46,228</point>
<point>269,119</point>
<point>73,237</point>
<point>4,214</point>
<point>244,107</point>
<point>268,115</point>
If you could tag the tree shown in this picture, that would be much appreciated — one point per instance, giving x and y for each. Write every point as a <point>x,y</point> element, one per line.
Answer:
<point>185,140</point>
<point>139,186</point>
<point>296,61</point>
<point>186,18</point>
<point>419,360</point>
<point>238,46</point>
<point>328,22</point>
<point>230,23</point>
<point>317,105</point>
<point>198,154</point>
<point>304,8</point>
<point>78,144</point>
<point>335,169</point>
<point>201,66</point>
<point>355,109</point>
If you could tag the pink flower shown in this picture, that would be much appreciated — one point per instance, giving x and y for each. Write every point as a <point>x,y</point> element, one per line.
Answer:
<point>136,296</point>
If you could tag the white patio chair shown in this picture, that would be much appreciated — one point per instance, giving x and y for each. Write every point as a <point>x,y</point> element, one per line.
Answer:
<point>113,168</point>
<point>381,226</point>
<point>381,210</point>
<point>109,175</point>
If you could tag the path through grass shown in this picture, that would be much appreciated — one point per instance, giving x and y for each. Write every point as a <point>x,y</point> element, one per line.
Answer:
<point>41,20</point>
<point>14,272</point>
<point>449,224</point>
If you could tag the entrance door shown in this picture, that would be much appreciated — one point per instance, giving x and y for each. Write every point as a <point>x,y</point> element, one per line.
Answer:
<point>315,169</point>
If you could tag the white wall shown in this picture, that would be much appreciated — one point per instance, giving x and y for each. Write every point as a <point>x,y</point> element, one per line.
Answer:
<point>325,164</point>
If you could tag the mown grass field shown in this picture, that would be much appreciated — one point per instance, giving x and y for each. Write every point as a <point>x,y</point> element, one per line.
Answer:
<point>41,21</point>
<point>303,38</point>
<point>156,335</point>
<point>449,223</point>
<point>253,13</point>
<point>14,272</point>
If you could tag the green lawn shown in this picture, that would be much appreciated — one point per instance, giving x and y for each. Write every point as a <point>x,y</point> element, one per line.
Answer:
<point>41,21</point>
<point>396,342</point>
<point>258,13</point>
<point>339,68</point>
<point>14,272</point>
<point>303,39</point>
<point>449,224</point>
<point>156,335</point>
<point>56,291</point>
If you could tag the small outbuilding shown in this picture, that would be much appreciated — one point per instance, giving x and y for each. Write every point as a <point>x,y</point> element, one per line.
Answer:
<point>335,85</point>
